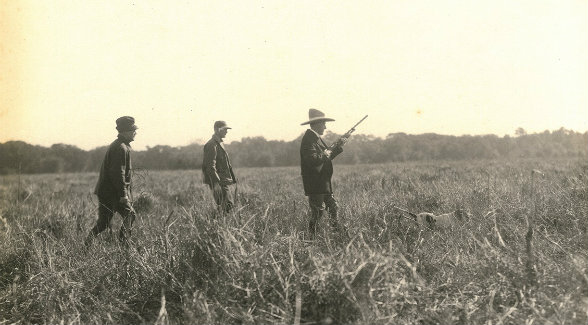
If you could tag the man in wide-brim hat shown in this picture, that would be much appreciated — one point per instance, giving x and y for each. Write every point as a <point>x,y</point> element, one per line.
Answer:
<point>114,181</point>
<point>317,170</point>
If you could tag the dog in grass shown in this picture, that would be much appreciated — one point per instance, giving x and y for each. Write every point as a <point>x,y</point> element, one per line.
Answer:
<point>441,221</point>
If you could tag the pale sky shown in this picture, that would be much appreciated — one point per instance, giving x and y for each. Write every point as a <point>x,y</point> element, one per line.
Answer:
<point>68,69</point>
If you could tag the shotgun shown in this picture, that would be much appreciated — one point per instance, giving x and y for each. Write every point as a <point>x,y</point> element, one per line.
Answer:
<point>341,141</point>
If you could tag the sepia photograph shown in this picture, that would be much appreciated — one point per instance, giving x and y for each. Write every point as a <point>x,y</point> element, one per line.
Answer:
<point>294,162</point>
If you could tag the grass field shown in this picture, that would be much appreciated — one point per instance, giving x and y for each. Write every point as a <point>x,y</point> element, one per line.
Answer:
<point>522,256</point>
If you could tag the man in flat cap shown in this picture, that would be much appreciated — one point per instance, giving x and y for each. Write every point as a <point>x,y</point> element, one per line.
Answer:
<point>317,169</point>
<point>217,169</point>
<point>113,187</point>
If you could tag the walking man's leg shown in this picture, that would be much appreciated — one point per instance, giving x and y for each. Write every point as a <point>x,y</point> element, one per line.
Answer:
<point>105,214</point>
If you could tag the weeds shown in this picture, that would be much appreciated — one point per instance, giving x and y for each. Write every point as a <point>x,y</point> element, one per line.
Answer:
<point>522,256</point>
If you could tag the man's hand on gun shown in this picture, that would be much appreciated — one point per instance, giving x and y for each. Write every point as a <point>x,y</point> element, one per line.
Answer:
<point>345,138</point>
<point>342,140</point>
<point>328,153</point>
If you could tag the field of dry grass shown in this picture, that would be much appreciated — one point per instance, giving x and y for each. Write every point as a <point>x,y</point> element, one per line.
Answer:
<point>521,257</point>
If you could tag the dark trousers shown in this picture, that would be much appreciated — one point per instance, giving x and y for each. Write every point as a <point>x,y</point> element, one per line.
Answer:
<point>319,203</point>
<point>106,209</point>
<point>223,198</point>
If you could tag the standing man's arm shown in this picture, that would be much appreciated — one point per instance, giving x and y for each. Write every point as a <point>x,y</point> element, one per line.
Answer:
<point>335,152</point>
<point>210,164</point>
<point>232,172</point>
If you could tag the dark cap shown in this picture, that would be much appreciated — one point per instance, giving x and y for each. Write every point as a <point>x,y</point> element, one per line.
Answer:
<point>125,123</point>
<point>221,125</point>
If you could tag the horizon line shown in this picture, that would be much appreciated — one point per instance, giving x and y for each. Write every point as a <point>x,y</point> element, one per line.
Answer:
<point>327,133</point>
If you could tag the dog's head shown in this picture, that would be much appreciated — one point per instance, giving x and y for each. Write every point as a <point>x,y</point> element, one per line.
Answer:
<point>430,219</point>
<point>426,219</point>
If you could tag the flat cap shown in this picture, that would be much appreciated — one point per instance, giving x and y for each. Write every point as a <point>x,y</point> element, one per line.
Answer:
<point>126,123</point>
<point>221,125</point>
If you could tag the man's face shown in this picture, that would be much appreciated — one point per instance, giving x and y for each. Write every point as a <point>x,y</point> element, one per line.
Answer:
<point>129,135</point>
<point>319,127</point>
<point>222,132</point>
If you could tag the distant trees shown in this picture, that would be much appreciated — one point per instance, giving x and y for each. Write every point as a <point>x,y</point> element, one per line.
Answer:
<point>166,157</point>
<point>18,156</point>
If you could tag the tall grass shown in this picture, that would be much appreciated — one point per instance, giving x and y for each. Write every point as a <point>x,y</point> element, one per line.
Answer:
<point>190,264</point>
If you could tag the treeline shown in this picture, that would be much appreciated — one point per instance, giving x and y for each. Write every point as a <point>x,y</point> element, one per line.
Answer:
<point>18,156</point>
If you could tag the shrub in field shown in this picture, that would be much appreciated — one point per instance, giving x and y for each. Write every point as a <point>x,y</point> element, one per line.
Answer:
<point>144,203</point>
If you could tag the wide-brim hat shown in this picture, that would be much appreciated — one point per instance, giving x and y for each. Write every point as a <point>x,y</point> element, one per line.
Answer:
<point>126,123</point>
<point>314,115</point>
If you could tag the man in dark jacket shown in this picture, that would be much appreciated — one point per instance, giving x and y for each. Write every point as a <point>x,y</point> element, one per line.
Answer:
<point>217,169</point>
<point>113,187</point>
<point>317,169</point>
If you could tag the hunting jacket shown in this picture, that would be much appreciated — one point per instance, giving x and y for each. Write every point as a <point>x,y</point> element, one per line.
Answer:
<point>115,173</point>
<point>216,166</point>
<point>315,166</point>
